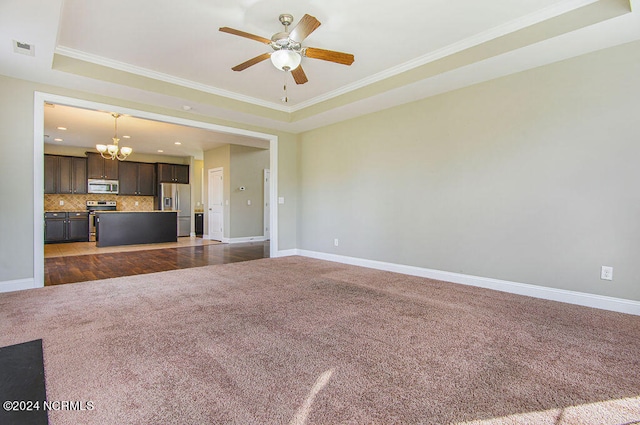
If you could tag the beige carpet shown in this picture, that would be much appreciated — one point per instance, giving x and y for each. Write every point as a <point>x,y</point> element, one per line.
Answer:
<point>296,340</point>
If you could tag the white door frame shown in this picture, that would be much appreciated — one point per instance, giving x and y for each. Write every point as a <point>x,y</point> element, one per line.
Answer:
<point>40,98</point>
<point>209,186</point>
<point>266,206</point>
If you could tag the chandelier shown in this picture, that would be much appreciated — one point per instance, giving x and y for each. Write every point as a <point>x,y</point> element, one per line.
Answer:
<point>112,151</point>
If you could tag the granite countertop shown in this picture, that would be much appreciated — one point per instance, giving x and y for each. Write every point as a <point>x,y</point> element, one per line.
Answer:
<point>148,211</point>
<point>66,211</point>
<point>108,212</point>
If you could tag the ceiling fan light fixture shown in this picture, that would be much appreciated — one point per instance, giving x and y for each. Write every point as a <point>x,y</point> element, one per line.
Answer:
<point>285,59</point>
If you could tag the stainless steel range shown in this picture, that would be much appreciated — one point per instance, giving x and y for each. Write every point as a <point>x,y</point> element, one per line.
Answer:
<point>92,207</point>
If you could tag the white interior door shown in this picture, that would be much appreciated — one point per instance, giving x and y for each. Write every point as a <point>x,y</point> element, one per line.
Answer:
<point>216,205</point>
<point>266,222</point>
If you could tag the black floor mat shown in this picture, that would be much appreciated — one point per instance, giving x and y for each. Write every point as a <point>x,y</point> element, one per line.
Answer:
<point>22,388</point>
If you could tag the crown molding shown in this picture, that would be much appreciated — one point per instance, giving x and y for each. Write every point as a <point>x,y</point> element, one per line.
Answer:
<point>144,72</point>
<point>507,28</point>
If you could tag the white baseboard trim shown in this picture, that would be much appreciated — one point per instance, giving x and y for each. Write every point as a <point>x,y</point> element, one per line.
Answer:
<point>603,302</point>
<point>18,285</point>
<point>238,240</point>
<point>245,239</point>
<point>287,253</point>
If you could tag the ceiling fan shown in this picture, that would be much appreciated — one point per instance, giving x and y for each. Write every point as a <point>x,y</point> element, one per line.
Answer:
<point>287,47</point>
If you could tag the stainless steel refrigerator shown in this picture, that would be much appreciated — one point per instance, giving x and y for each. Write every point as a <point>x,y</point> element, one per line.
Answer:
<point>177,197</point>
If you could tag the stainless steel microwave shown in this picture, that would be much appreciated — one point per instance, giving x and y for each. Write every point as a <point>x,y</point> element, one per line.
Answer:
<point>103,186</point>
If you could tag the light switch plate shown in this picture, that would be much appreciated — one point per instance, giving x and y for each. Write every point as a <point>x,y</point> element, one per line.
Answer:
<point>281,200</point>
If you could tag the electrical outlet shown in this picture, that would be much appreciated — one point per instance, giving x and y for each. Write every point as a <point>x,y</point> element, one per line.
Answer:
<point>336,242</point>
<point>606,273</point>
<point>61,203</point>
<point>248,201</point>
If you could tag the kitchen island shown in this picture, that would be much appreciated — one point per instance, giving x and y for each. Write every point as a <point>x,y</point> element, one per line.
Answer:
<point>140,227</point>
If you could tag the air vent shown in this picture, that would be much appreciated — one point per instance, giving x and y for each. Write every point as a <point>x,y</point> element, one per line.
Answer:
<point>24,48</point>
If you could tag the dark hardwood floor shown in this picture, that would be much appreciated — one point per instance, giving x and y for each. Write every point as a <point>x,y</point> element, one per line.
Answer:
<point>81,268</point>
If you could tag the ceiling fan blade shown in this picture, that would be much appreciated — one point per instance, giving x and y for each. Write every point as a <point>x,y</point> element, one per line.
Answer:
<point>251,62</point>
<point>329,55</point>
<point>306,26</point>
<point>245,35</point>
<point>299,76</point>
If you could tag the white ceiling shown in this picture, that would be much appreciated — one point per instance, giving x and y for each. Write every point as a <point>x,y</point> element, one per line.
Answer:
<point>179,43</point>
<point>86,128</point>
<point>181,39</point>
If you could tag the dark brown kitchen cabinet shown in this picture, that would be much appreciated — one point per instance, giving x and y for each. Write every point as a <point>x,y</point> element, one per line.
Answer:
<point>65,174</point>
<point>51,171</point>
<point>78,227</point>
<point>100,168</point>
<point>66,227</point>
<point>173,173</point>
<point>55,227</point>
<point>199,224</point>
<point>137,178</point>
<point>146,179</point>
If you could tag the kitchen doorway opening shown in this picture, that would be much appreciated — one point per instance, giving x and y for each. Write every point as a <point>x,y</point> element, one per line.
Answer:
<point>41,99</point>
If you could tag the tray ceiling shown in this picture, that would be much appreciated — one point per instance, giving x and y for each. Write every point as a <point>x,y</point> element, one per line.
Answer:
<point>171,55</point>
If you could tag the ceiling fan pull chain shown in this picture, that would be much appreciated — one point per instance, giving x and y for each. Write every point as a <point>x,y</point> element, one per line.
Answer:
<point>285,99</point>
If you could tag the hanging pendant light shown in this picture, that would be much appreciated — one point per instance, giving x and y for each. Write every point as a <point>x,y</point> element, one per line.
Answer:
<point>112,151</point>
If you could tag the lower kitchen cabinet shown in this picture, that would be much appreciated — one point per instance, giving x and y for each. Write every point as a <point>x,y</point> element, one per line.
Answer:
<point>55,227</point>
<point>66,227</point>
<point>199,224</point>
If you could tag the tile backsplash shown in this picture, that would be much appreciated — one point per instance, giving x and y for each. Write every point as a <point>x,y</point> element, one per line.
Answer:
<point>79,202</point>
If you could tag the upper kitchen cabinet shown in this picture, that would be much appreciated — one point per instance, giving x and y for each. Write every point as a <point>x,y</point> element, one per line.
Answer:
<point>173,173</point>
<point>100,168</point>
<point>65,174</point>
<point>137,178</point>
<point>51,173</point>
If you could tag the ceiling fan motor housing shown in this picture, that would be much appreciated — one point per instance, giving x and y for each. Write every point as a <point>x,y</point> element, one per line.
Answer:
<point>286,19</point>
<point>281,40</point>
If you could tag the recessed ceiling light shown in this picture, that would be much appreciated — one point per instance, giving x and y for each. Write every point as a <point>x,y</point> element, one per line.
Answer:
<point>177,143</point>
<point>62,128</point>
<point>126,137</point>
<point>57,139</point>
<point>160,150</point>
